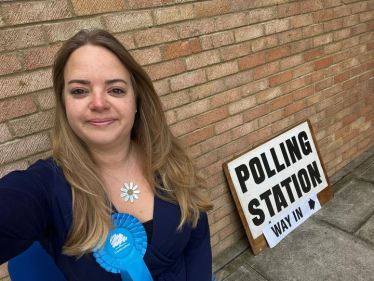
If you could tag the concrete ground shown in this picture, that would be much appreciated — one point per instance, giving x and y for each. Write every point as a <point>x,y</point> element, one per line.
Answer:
<point>336,243</point>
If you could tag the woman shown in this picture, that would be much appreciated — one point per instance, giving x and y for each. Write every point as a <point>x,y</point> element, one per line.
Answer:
<point>112,152</point>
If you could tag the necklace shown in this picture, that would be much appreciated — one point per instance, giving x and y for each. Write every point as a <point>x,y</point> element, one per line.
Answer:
<point>128,190</point>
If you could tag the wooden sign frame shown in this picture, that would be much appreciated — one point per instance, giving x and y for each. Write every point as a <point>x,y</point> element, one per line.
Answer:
<point>324,195</point>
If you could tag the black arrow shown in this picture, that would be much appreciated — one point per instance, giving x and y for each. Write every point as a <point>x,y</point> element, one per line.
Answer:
<point>311,204</point>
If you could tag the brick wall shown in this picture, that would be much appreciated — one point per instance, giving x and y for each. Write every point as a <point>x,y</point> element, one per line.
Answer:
<point>230,74</point>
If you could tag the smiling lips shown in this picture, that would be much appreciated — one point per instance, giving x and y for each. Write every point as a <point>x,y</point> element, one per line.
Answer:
<point>101,122</point>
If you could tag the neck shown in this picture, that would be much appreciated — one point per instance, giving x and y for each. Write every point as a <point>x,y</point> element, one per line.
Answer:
<point>114,159</point>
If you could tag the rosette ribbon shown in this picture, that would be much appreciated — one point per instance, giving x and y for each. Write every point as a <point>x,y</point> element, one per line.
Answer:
<point>124,249</point>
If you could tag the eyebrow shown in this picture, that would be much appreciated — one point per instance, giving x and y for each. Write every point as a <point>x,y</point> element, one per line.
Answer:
<point>86,82</point>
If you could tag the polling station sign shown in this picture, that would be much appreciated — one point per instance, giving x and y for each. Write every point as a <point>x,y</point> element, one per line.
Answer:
<point>273,178</point>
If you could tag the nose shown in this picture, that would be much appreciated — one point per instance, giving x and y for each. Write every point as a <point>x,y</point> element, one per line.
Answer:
<point>99,101</point>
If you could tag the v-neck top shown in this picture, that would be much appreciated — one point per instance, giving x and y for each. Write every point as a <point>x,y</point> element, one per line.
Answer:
<point>36,205</point>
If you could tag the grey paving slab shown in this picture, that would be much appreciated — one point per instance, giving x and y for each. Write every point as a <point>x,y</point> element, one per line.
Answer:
<point>234,265</point>
<point>368,173</point>
<point>351,207</point>
<point>317,251</point>
<point>366,231</point>
<point>244,273</point>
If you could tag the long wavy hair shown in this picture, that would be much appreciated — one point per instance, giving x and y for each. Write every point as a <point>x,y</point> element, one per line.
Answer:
<point>168,169</point>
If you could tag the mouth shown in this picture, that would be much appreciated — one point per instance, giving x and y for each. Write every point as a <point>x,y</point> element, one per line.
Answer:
<point>101,122</point>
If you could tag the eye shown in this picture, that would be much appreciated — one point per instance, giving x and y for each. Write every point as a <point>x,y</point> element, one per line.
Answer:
<point>116,91</point>
<point>78,91</point>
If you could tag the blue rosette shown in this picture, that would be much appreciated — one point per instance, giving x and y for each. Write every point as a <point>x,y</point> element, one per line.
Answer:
<point>124,249</point>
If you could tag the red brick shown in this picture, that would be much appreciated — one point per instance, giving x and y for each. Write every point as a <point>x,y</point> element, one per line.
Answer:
<point>300,94</point>
<point>293,85</point>
<point>165,69</point>
<point>128,21</point>
<point>249,32</point>
<point>187,80</point>
<point>305,114</point>
<point>279,53</point>
<point>314,99</point>
<point>252,88</point>
<point>281,102</point>
<point>25,83</point>
<point>4,133</point>
<point>302,46</point>
<point>242,5</point>
<point>226,97</point>
<point>33,123</point>
<point>333,25</point>
<point>291,62</point>
<point>222,70</point>
<point>207,89</point>
<point>217,40</point>
<point>212,8</point>
<point>367,16</point>
<point>244,129</point>
<point>323,63</point>
<point>266,70</point>
<point>370,46</point>
<point>40,57</point>
<point>228,124</point>
<point>314,77</point>
<point>351,20</point>
<point>323,16</point>
<point>127,40</point>
<point>303,69</point>
<point>155,36</point>
<point>241,105</point>
<point>24,148</point>
<point>314,54</point>
<point>350,83</point>
<point>215,142</point>
<point>196,28</point>
<point>46,100</point>
<point>312,30</point>
<point>252,61</point>
<point>293,108</point>
<point>16,107</point>
<point>170,117</point>
<point>212,116</point>
<point>271,118</point>
<point>290,36</point>
<point>207,159</point>
<point>268,94</point>
<point>62,31</point>
<point>89,7</point>
<point>256,112</point>
<point>287,10</point>
<point>332,3</point>
<point>4,170</point>
<point>277,26</point>
<point>264,43</point>
<point>18,38</point>
<point>301,20</point>
<point>183,127</point>
<point>324,84</point>
<point>180,49</point>
<point>282,124</point>
<point>9,63</point>
<point>322,40</point>
<point>342,77</point>
<point>173,14</point>
<point>198,136</point>
<point>238,79</point>
<point>147,56</point>
<point>228,151</point>
<point>193,109</point>
<point>202,59</point>
<point>280,78</point>
<point>262,134</point>
<point>342,11</point>
<point>311,6</point>
<point>342,34</point>
<point>136,4</point>
<point>175,99</point>
<point>29,12</point>
<point>231,21</point>
<point>235,51</point>
<point>262,15</point>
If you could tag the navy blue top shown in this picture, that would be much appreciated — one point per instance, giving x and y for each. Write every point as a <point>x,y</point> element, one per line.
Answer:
<point>36,205</point>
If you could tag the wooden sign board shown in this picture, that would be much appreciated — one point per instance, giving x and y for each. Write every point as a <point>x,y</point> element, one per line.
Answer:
<point>273,177</point>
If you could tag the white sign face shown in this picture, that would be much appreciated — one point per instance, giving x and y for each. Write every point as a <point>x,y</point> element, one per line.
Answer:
<point>277,230</point>
<point>276,176</point>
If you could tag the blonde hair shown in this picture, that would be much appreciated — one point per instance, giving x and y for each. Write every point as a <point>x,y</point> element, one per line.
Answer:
<point>168,168</point>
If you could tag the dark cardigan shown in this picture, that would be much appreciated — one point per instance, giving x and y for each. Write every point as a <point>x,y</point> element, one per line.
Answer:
<point>36,205</point>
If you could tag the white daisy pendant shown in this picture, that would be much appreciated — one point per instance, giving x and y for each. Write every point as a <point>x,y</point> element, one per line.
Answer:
<point>129,192</point>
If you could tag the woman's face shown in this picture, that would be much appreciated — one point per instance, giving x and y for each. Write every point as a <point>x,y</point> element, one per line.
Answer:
<point>99,98</point>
